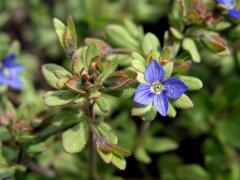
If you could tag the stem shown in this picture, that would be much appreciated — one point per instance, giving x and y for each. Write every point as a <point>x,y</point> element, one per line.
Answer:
<point>143,129</point>
<point>122,50</point>
<point>92,145</point>
<point>20,156</point>
<point>40,170</point>
<point>237,64</point>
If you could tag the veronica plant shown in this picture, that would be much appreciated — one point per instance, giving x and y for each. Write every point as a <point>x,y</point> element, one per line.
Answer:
<point>92,76</point>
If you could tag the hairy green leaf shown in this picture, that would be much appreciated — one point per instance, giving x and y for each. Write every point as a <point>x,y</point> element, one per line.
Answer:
<point>57,98</point>
<point>75,139</point>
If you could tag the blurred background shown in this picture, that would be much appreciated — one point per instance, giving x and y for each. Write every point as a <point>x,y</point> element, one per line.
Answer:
<point>199,144</point>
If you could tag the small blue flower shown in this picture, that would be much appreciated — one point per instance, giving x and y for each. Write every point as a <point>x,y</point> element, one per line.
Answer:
<point>230,5</point>
<point>9,72</point>
<point>157,89</point>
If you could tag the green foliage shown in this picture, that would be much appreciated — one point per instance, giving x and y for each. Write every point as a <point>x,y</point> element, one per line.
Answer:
<point>151,45</point>
<point>183,102</point>
<point>120,37</point>
<point>56,98</point>
<point>75,138</point>
<point>190,46</point>
<point>53,72</point>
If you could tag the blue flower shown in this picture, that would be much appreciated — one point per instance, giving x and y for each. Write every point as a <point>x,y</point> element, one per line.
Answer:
<point>9,72</point>
<point>157,89</point>
<point>230,5</point>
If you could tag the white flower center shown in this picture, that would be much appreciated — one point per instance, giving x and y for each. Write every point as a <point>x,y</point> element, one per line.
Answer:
<point>157,87</point>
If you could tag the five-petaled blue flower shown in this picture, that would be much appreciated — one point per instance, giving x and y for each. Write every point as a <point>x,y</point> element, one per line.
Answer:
<point>158,89</point>
<point>230,5</point>
<point>9,72</point>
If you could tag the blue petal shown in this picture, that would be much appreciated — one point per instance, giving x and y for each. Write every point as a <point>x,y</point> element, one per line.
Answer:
<point>174,87</point>
<point>234,13</point>
<point>160,101</point>
<point>229,3</point>
<point>154,72</point>
<point>143,94</point>
<point>15,83</point>
<point>3,79</point>
<point>15,69</point>
<point>11,58</point>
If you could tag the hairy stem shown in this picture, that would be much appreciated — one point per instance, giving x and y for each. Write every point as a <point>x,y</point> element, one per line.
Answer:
<point>20,155</point>
<point>40,170</point>
<point>143,129</point>
<point>237,64</point>
<point>122,50</point>
<point>92,145</point>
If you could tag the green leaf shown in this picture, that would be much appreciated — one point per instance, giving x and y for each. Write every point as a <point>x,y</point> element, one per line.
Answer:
<point>138,65</point>
<point>75,139</point>
<point>49,71</point>
<point>120,151</point>
<point>37,148</point>
<point>108,68</point>
<point>150,115</point>
<point>151,44</point>
<point>15,48</point>
<point>142,155</point>
<point>215,158</point>
<point>102,45</point>
<point>125,93</point>
<point>138,62</point>
<point>78,60</point>
<point>105,155</point>
<point>57,98</point>
<point>140,78</point>
<point>141,109</point>
<point>193,83</point>
<point>75,85</point>
<point>168,53</point>
<point>138,57</point>
<point>190,46</point>
<point>72,30</point>
<point>177,34</point>
<point>119,79</point>
<point>61,83</point>
<point>60,123</point>
<point>133,30</point>
<point>228,129</point>
<point>120,37</point>
<point>60,29</point>
<point>102,104</point>
<point>119,161</point>
<point>171,111</point>
<point>214,42</point>
<point>5,17</point>
<point>168,68</point>
<point>183,102</point>
<point>92,52</point>
<point>8,171</point>
<point>94,95</point>
<point>160,145</point>
<point>191,172</point>
<point>107,132</point>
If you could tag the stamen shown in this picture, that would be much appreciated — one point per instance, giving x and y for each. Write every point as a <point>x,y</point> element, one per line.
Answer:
<point>157,87</point>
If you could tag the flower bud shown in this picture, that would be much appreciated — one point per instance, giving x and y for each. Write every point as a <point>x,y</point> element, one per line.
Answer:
<point>214,43</point>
